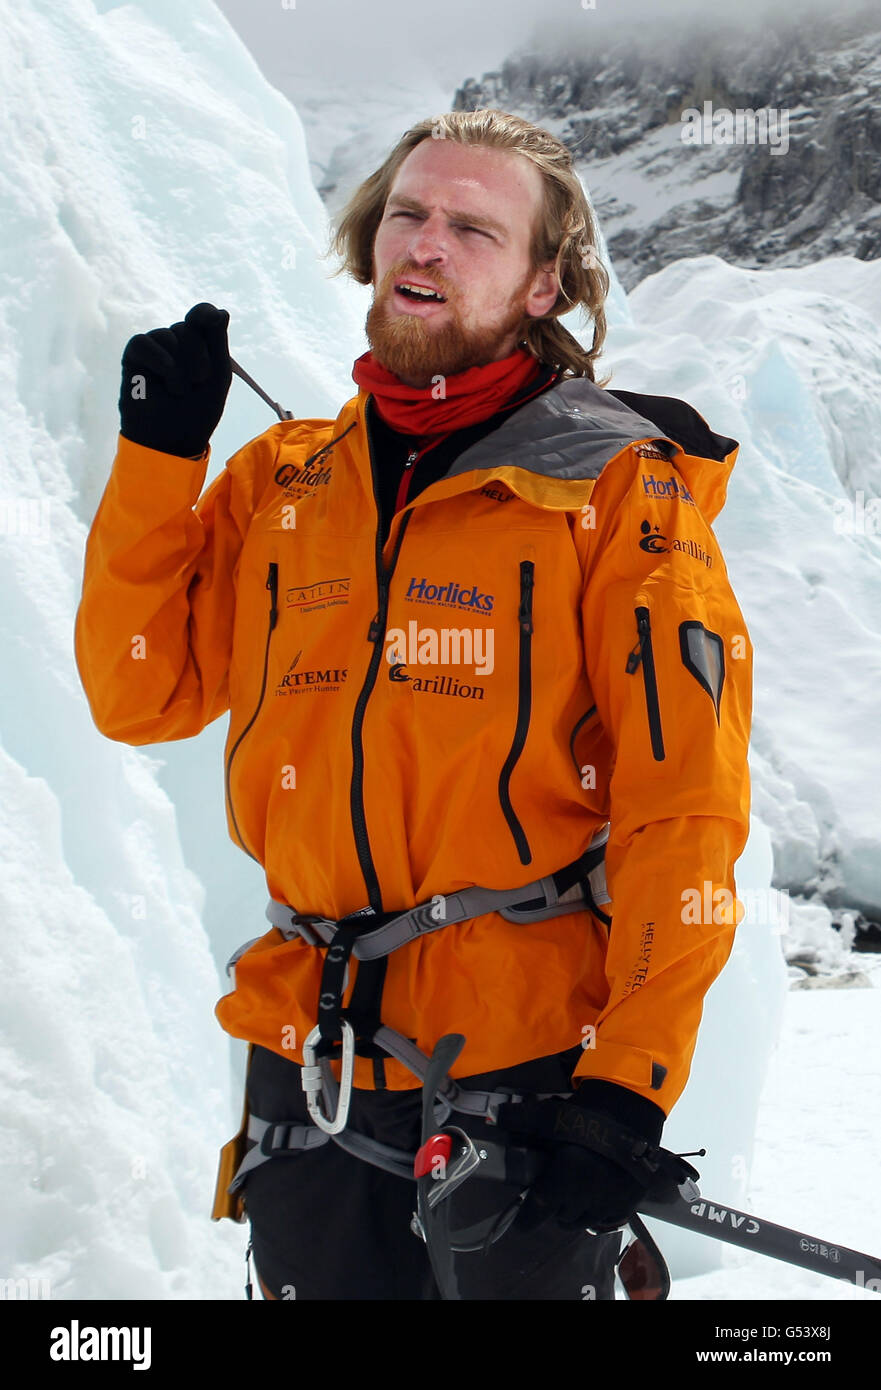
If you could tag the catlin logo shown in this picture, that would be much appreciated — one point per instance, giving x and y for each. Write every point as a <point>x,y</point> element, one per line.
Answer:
<point>327,593</point>
<point>450,595</point>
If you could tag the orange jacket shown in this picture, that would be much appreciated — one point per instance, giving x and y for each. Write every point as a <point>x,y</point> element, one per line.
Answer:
<point>374,762</point>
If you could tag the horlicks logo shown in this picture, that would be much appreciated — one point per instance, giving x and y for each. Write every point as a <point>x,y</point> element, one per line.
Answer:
<point>673,487</point>
<point>451,595</point>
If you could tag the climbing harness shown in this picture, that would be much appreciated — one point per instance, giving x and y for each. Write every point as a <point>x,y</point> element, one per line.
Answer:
<point>342,1033</point>
<point>447,1156</point>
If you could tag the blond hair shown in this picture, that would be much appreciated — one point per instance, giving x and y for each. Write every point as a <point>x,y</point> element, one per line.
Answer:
<point>565,231</point>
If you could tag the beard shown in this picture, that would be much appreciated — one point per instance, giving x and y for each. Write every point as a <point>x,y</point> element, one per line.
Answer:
<point>417,351</point>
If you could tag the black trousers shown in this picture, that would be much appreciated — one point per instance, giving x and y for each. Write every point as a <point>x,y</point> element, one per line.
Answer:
<point>327,1225</point>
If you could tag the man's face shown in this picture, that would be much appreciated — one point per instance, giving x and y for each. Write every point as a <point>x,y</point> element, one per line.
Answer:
<point>458,220</point>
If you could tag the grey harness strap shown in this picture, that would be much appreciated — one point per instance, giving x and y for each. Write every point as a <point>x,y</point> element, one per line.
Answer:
<point>515,904</point>
<point>274,1138</point>
<point>279,1137</point>
<point>531,902</point>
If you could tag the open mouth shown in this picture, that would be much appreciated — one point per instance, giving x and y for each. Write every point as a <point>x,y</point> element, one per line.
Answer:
<point>419,293</point>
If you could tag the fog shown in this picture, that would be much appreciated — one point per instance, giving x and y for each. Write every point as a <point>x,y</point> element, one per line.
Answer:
<point>455,40</point>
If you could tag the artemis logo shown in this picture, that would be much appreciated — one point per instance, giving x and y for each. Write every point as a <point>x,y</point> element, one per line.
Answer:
<point>673,487</point>
<point>298,682</point>
<point>451,595</point>
<point>77,1343</point>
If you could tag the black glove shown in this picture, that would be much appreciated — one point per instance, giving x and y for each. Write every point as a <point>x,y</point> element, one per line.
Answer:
<point>186,375</point>
<point>579,1186</point>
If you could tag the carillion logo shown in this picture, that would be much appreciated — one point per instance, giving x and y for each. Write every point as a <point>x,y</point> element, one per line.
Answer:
<point>450,595</point>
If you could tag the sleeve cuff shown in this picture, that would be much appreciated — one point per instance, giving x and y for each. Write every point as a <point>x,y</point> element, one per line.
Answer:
<point>131,444</point>
<point>628,1108</point>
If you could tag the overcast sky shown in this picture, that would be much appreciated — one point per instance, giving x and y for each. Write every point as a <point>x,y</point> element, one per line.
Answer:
<point>451,39</point>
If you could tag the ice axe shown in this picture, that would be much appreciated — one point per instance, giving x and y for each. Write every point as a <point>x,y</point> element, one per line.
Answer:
<point>693,1212</point>
<point>240,371</point>
<point>448,1157</point>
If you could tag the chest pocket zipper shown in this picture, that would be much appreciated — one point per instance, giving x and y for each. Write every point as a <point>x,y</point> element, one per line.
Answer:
<point>272,586</point>
<point>643,653</point>
<point>524,709</point>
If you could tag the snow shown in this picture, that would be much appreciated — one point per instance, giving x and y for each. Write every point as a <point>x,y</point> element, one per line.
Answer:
<point>784,361</point>
<point>815,1166</point>
<point>145,164</point>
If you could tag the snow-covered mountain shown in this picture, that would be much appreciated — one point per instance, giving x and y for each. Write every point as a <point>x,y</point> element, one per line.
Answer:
<point>616,99</point>
<point>145,165</point>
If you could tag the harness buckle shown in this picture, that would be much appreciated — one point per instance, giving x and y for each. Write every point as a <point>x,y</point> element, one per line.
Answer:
<point>315,1078</point>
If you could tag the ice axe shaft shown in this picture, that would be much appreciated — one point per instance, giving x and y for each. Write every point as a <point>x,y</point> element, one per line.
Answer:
<point>694,1212</point>
<point>743,1229</point>
<point>240,371</point>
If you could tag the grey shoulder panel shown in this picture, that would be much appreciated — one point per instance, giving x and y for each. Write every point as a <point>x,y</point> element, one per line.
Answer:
<point>569,431</point>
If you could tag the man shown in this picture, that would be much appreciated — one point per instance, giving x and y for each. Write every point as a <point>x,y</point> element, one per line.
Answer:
<point>469,632</point>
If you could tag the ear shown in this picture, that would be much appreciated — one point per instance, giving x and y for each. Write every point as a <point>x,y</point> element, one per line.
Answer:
<point>542,296</point>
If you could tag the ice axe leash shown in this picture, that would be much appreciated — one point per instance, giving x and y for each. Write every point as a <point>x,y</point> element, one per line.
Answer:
<point>240,371</point>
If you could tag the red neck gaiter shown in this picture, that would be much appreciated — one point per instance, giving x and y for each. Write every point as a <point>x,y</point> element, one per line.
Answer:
<point>470,396</point>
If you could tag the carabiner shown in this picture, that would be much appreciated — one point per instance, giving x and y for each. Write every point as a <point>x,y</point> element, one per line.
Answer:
<point>315,1080</point>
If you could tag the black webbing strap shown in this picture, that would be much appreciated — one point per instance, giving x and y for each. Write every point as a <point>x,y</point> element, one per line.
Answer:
<point>333,983</point>
<point>363,1012</point>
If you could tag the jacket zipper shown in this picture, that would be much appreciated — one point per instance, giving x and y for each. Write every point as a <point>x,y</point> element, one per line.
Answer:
<point>375,635</point>
<point>588,714</point>
<point>524,708</point>
<point>272,586</point>
<point>404,484</point>
<point>643,652</point>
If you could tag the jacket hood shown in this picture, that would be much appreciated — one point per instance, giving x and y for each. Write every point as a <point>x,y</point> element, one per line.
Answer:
<point>573,430</point>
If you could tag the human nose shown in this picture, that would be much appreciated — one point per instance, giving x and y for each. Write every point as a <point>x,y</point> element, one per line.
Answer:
<point>428,241</point>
